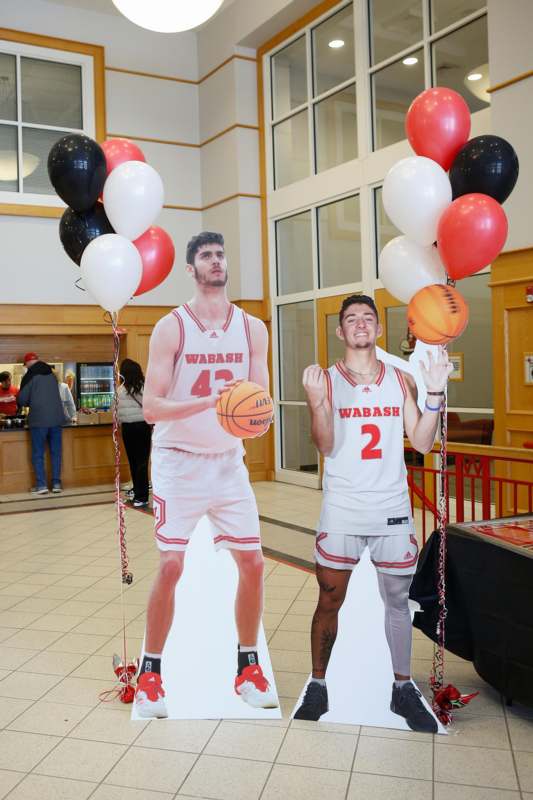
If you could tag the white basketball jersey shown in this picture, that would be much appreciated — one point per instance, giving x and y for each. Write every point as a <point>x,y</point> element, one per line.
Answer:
<point>365,478</point>
<point>205,361</point>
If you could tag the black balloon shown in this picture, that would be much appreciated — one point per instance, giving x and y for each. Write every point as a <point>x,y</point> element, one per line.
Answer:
<point>76,230</point>
<point>486,164</point>
<point>77,170</point>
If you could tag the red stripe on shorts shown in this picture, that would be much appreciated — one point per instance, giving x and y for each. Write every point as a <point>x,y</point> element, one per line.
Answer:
<point>330,556</point>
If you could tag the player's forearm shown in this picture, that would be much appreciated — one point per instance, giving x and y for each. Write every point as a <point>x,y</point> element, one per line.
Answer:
<point>159,409</point>
<point>425,431</point>
<point>322,428</point>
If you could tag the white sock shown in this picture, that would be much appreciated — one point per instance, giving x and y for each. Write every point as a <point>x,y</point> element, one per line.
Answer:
<point>247,648</point>
<point>320,681</point>
<point>399,684</point>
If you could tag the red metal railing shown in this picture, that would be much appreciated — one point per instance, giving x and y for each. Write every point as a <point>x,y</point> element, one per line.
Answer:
<point>483,483</point>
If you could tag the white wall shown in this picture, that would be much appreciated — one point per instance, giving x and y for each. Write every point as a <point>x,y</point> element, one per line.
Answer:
<point>32,261</point>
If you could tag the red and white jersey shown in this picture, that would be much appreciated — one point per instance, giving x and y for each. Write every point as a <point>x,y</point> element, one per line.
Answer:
<point>365,478</point>
<point>205,361</point>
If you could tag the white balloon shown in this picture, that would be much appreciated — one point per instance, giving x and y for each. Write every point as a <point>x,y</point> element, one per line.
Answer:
<point>133,198</point>
<point>405,267</point>
<point>416,191</point>
<point>111,268</point>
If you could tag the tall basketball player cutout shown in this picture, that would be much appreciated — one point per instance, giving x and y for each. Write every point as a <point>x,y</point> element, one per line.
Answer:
<point>205,653</point>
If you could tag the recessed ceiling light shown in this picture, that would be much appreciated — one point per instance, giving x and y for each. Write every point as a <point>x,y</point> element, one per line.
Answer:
<point>336,43</point>
<point>474,76</point>
<point>410,60</point>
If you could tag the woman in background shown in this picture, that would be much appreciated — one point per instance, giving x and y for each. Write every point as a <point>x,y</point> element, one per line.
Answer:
<point>136,433</point>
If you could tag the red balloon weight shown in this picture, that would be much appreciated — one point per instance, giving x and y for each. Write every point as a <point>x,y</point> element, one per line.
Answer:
<point>117,151</point>
<point>470,234</point>
<point>438,125</point>
<point>157,254</point>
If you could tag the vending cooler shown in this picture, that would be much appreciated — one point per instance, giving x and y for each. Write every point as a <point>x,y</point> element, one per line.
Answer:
<point>94,384</point>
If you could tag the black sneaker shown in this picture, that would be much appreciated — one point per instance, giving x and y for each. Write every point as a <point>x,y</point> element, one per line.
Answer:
<point>406,703</point>
<point>315,702</point>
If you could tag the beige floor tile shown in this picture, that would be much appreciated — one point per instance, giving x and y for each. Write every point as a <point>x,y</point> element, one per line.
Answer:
<point>32,640</point>
<point>245,741</point>
<point>187,735</point>
<point>272,606</point>
<point>289,684</point>
<point>524,768</point>
<point>291,640</point>
<point>19,589</point>
<point>296,579</point>
<point>521,731</point>
<point>329,727</point>
<point>291,661</point>
<point>8,780</point>
<point>450,791</point>
<point>9,601</point>
<point>57,592</point>
<point>22,751</point>
<point>100,627</point>
<point>14,657</point>
<point>281,592</point>
<point>37,605</point>
<point>383,787</point>
<point>397,757</point>
<point>17,619</point>
<point>55,622</point>
<point>476,766</point>
<point>50,663</point>
<point>11,708</point>
<point>296,622</point>
<point>123,793</point>
<point>302,783</point>
<point>27,686</point>
<point>318,749</point>
<point>75,608</point>
<point>41,787</point>
<point>226,779</point>
<point>108,726</point>
<point>144,768</point>
<point>393,733</point>
<point>477,732</point>
<point>81,760</point>
<point>115,645</point>
<point>53,719</point>
<point>6,633</point>
<point>77,643</point>
<point>77,691</point>
<point>303,607</point>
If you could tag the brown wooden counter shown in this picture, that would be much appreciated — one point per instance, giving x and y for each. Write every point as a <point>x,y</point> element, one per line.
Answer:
<point>88,458</point>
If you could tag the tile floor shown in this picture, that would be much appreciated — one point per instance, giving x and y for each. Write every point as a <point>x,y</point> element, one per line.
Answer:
<point>61,621</point>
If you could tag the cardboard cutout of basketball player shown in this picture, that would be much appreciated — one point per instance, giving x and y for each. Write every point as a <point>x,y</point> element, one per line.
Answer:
<point>197,352</point>
<point>359,409</point>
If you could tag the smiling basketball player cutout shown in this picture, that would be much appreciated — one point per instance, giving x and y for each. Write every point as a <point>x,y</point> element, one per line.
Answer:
<point>198,353</point>
<point>359,410</point>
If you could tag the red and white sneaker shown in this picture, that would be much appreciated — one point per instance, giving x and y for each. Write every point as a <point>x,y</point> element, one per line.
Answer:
<point>149,696</point>
<point>254,688</point>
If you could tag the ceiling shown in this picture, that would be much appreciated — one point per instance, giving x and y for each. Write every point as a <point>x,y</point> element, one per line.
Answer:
<point>106,6</point>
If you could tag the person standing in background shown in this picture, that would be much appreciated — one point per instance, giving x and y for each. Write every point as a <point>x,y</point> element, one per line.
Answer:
<point>8,395</point>
<point>69,407</point>
<point>40,391</point>
<point>136,433</point>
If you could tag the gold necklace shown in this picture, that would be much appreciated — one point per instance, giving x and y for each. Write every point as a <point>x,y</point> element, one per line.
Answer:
<point>365,374</point>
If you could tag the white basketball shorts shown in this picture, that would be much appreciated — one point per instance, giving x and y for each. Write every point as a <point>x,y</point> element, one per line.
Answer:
<point>187,486</point>
<point>395,555</point>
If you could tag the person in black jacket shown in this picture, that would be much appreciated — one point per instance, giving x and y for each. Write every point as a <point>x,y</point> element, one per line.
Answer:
<point>39,390</point>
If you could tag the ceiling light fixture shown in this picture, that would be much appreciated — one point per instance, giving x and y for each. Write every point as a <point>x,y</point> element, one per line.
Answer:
<point>474,76</point>
<point>410,60</point>
<point>167,17</point>
<point>9,165</point>
<point>336,43</point>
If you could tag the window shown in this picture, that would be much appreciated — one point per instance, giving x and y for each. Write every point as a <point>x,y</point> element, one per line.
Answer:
<point>419,43</point>
<point>44,94</point>
<point>339,242</point>
<point>294,249</point>
<point>385,230</point>
<point>312,105</point>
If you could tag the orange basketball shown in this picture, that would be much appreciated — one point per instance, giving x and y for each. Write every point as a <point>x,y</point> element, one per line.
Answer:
<point>245,410</point>
<point>437,314</point>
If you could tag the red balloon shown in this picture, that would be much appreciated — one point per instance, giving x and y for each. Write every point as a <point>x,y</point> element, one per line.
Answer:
<point>470,234</point>
<point>117,151</point>
<point>157,254</point>
<point>438,125</point>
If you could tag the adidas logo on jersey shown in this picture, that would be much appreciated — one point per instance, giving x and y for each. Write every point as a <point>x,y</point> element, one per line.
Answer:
<point>214,358</point>
<point>370,411</point>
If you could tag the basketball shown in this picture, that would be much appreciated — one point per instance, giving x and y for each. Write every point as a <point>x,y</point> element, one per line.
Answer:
<point>245,410</point>
<point>437,314</point>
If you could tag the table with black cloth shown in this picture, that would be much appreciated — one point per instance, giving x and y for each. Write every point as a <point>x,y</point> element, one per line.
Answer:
<point>489,597</point>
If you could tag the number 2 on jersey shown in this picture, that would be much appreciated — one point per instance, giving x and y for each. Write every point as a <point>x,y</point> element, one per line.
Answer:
<point>370,450</point>
<point>202,385</point>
